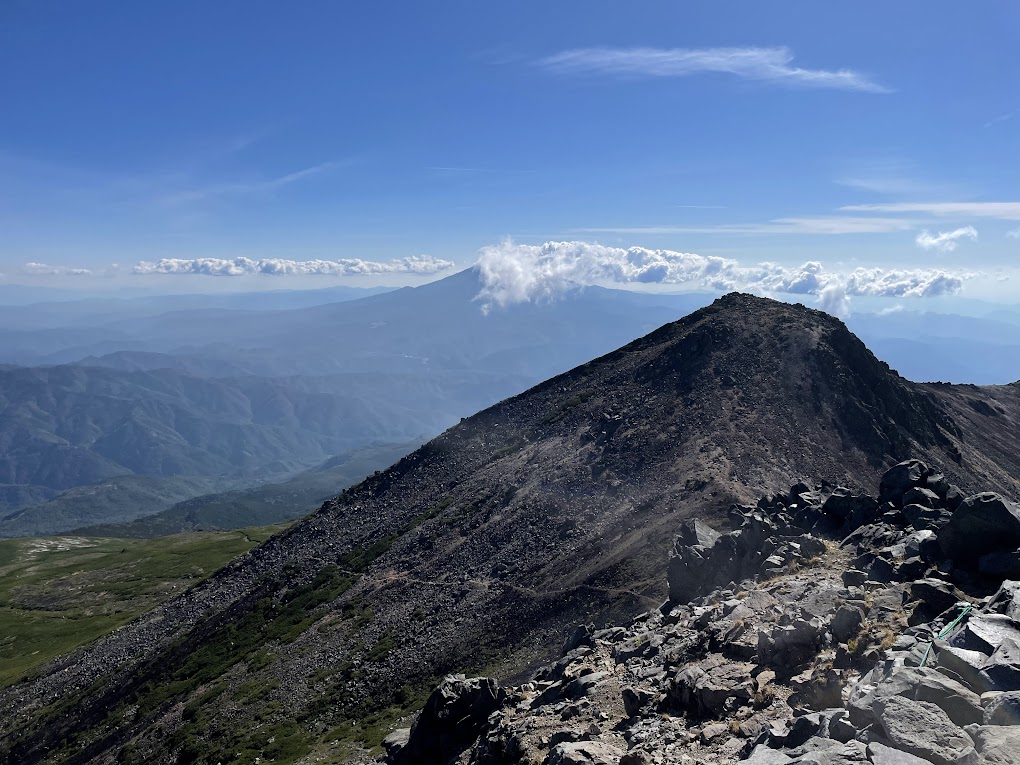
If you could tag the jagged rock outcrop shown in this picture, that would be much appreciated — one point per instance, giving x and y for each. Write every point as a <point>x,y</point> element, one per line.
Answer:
<point>452,718</point>
<point>766,653</point>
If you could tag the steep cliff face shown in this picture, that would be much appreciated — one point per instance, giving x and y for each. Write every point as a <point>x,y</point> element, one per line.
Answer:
<point>553,507</point>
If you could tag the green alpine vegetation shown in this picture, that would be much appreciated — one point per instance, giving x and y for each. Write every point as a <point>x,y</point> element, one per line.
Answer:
<point>59,593</point>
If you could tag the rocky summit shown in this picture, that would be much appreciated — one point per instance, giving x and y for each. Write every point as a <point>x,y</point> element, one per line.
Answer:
<point>828,627</point>
<point>476,553</point>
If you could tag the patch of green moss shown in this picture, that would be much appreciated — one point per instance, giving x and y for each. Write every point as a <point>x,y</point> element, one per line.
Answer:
<point>361,557</point>
<point>383,646</point>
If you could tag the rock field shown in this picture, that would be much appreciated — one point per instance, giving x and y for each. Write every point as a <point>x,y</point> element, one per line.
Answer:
<point>827,627</point>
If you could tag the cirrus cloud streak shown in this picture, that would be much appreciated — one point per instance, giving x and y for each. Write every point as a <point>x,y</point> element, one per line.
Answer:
<point>763,64</point>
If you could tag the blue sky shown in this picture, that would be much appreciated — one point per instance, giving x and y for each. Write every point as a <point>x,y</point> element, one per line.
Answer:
<point>863,135</point>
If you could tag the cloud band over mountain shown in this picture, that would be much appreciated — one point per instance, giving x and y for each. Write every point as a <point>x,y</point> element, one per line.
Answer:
<point>514,273</point>
<point>415,264</point>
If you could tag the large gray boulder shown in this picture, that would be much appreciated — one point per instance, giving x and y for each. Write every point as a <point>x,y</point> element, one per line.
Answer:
<point>962,664</point>
<point>584,753</point>
<point>996,744</point>
<point>880,754</point>
<point>922,728</point>
<point>764,755</point>
<point>849,753</point>
<point>984,523</point>
<point>925,684</point>
<point>1001,708</point>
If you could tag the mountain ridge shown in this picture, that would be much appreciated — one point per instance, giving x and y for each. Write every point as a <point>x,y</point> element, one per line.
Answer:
<point>549,508</point>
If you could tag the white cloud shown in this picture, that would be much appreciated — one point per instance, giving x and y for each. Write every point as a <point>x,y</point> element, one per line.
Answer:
<point>833,299</point>
<point>1014,234</point>
<point>945,241</point>
<point>1000,210</point>
<point>902,282</point>
<point>764,64</point>
<point>44,269</point>
<point>839,224</point>
<point>515,273</point>
<point>416,264</point>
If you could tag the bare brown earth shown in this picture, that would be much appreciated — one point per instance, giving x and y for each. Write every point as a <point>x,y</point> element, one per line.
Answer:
<point>475,552</point>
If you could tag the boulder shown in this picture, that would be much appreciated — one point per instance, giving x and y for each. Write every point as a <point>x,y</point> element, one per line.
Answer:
<point>923,517</point>
<point>1001,671</point>
<point>1000,565</point>
<point>696,532</point>
<point>923,729</point>
<point>583,685</point>
<point>985,633</point>
<point>636,699</point>
<point>880,754</point>
<point>1001,708</point>
<point>936,595</point>
<point>961,704</point>
<point>963,665</point>
<point>694,562</point>
<point>853,577</point>
<point>787,647</point>
<point>850,753</point>
<point>579,636</point>
<point>900,479</point>
<point>452,718</point>
<point>820,688</point>
<point>938,483</point>
<point>920,544</point>
<point>921,496</point>
<point>911,568</point>
<point>706,692</point>
<point>1007,600</point>
<point>846,623</point>
<point>844,504</point>
<point>764,755</point>
<point>984,523</point>
<point>396,741</point>
<point>584,753</point>
<point>713,731</point>
<point>954,497</point>
<point>810,546</point>
<point>996,744</point>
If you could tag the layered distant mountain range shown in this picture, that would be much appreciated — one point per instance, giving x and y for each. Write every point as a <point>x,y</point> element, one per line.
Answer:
<point>115,409</point>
